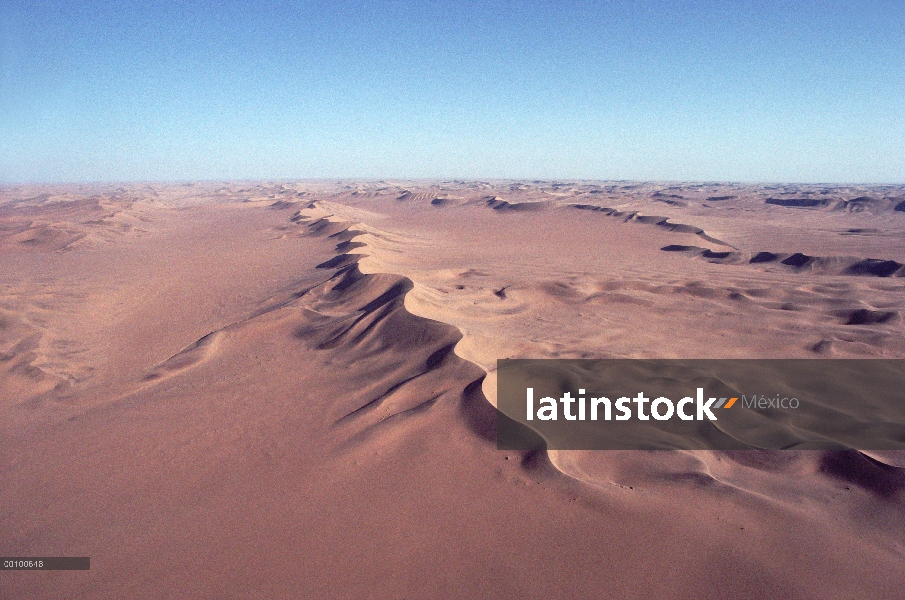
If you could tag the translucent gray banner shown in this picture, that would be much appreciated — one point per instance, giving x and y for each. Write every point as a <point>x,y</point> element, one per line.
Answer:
<point>652,404</point>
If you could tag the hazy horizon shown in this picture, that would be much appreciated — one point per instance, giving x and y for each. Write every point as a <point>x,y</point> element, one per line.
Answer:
<point>423,180</point>
<point>701,92</point>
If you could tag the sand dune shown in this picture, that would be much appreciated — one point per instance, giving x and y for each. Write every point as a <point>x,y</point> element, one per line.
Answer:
<point>287,390</point>
<point>837,265</point>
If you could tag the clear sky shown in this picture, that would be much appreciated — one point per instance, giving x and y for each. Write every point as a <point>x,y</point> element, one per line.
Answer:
<point>662,90</point>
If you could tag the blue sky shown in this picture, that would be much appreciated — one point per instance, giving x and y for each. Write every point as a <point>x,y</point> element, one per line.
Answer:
<point>740,91</point>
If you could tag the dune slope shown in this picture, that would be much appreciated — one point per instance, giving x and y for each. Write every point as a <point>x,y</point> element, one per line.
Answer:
<point>287,390</point>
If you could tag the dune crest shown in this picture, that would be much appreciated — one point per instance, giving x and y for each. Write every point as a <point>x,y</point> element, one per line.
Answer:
<point>296,382</point>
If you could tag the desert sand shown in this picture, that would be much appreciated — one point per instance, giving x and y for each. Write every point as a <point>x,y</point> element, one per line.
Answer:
<point>287,390</point>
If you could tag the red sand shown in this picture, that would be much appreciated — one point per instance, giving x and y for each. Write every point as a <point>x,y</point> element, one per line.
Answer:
<point>188,400</point>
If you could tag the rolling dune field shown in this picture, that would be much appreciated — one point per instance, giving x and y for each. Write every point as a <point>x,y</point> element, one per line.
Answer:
<point>287,389</point>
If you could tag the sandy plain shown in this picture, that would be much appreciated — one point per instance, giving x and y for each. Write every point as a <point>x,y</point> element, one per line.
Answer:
<point>281,390</point>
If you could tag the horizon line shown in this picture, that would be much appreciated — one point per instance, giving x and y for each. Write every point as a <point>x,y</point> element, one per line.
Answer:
<point>385,179</point>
